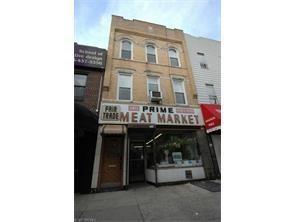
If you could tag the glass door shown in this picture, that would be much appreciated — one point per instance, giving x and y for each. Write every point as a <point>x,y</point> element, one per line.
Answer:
<point>136,162</point>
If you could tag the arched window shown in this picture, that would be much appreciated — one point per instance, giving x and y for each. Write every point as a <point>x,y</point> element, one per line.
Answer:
<point>151,53</point>
<point>126,49</point>
<point>174,60</point>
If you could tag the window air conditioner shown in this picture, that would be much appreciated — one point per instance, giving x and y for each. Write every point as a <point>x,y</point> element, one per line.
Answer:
<point>155,96</point>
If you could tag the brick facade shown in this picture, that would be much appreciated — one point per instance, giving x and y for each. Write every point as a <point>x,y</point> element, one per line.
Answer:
<point>141,33</point>
<point>92,89</point>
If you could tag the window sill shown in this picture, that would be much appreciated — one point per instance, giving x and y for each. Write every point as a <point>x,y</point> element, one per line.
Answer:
<point>125,101</point>
<point>125,59</point>
<point>176,67</point>
<point>182,105</point>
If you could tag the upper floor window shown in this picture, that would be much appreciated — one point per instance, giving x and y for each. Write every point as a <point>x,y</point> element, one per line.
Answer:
<point>79,86</point>
<point>202,60</point>
<point>126,49</point>
<point>151,53</point>
<point>174,60</point>
<point>211,93</point>
<point>203,65</point>
<point>125,86</point>
<point>153,84</point>
<point>179,91</point>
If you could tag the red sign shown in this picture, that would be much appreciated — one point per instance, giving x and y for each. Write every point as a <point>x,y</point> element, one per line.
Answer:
<point>212,116</point>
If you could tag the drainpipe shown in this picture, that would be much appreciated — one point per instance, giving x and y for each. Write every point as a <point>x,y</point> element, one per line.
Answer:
<point>100,92</point>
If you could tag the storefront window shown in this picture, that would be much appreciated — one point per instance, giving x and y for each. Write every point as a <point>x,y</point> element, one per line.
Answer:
<point>149,156</point>
<point>175,149</point>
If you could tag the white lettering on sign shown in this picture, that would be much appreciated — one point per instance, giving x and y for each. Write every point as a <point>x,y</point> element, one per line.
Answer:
<point>144,114</point>
<point>89,56</point>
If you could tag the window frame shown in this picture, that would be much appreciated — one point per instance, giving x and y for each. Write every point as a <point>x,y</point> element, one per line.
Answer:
<point>158,83</point>
<point>184,89</point>
<point>195,149</point>
<point>202,60</point>
<point>178,57</point>
<point>209,96</point>
<point>155,51</point>
<point>131,91</point>
<point>132,47</point>
<point>82,97</point>
<point>205,65</point>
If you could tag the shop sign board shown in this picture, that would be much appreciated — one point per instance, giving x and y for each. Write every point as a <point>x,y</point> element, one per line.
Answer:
<point>212,116</point>
<point>88,56</point>
<point>114,113</point>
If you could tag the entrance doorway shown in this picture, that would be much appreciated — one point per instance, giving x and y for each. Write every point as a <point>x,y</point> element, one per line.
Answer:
<point>112,157</point>
<point>137,161</point>
<point>85,137</point>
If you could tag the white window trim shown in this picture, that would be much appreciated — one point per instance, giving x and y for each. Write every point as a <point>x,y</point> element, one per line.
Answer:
<point>132,48</point>
<point>178,57</point>
<point>158,82</point>
<point>127,74</point>
<point>185,95</point>
<point>214,89</point>
<point>155,53</point>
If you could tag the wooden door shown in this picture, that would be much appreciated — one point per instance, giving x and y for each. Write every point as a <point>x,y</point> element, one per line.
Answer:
<point>111,173</point>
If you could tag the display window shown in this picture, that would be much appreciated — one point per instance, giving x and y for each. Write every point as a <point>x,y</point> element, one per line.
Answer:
<point>174,149</point>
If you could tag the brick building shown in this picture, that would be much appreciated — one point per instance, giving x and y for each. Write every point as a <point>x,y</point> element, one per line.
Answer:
<point>150,124</point>
<point>89,66</point>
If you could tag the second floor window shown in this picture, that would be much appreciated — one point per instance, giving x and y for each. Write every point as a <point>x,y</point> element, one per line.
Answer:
<point>211,93</point>
<point>151,55</point>
<point>79,86</point>
<point>174,61</point>
<point>126,49</point>
<point>125,86</point>
<point>179,91</point>
<point>153,84</point>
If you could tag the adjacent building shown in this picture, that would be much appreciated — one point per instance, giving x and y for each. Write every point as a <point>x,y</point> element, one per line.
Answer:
<point>150,124</point>
<point>89,67</point>
<point>205,59</point>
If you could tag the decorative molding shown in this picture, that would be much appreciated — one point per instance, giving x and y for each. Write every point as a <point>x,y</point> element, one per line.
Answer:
<point>148,35</point>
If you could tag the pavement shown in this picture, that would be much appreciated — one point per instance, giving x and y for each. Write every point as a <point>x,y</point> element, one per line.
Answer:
<point>184,202</point>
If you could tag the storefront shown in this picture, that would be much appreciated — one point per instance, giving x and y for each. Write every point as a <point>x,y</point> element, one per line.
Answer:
<point>212,118</point>
<point>89,68</point>
<point>143,143</point>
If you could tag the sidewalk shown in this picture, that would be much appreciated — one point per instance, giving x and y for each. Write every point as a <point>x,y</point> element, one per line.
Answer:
<point>184,202</point>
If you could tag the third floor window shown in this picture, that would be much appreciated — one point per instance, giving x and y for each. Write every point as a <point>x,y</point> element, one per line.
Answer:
<point>151,54</point>
<point>126,49</point>
<point>174,60</point>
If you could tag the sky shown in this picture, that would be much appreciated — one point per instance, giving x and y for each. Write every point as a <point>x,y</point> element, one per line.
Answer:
<point>92,18</point>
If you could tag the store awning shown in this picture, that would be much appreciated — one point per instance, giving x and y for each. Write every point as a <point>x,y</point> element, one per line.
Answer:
<point>84,119</point>
<point>212,116</point>
<point>113,129</point>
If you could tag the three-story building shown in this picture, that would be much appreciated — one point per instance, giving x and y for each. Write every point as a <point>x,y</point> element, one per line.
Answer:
<point>205,58</point>
<point>151,127</point>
